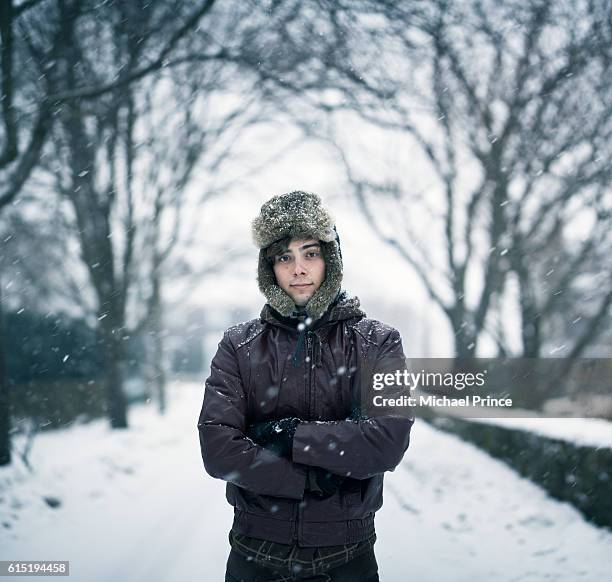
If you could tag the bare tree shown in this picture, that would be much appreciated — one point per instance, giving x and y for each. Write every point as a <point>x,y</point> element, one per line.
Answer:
<point>192,142</point>
<point>86,130</point>
<point>506,109</point>
<point>37,39</point>
<point>33,43</point>
<point>16,160</point>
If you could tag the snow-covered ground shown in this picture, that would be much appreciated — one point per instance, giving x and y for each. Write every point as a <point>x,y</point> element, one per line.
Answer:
<point>137,506</point>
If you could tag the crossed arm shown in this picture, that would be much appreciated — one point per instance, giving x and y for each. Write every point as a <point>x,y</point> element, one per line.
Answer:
<point>356,448</point>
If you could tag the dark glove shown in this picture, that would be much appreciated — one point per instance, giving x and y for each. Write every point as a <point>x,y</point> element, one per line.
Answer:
<point>322,483</point>
<point>275,435</point>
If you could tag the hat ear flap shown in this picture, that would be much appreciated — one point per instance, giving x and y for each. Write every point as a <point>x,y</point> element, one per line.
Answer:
<point>266,280</point>
<point>324,296</point>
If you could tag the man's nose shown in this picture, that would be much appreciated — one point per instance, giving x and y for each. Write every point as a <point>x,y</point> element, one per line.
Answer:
<point>299,266</point>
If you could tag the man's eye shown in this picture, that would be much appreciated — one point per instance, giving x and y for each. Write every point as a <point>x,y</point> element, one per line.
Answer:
<point>282,259</point>
<point>313,254</point>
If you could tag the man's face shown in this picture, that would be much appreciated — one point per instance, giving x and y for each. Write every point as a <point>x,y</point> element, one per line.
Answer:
<point>300,269</point>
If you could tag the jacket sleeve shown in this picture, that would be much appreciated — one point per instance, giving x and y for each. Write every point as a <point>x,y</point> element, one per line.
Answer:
<point>357,448</point>
<point>227,453</point>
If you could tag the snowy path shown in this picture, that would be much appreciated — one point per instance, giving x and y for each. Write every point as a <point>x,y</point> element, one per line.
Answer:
<point>454,513</point>
<point>137,506</point>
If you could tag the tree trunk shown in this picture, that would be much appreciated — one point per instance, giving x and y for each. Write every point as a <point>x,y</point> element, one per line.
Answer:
<point>463,335</point>
<point>159,374</point>
<point>531,332</point>
<point>113,361</point>
<point>5,413</point>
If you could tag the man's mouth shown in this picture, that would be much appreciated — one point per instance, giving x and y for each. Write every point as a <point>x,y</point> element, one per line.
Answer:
<point>301,285</point>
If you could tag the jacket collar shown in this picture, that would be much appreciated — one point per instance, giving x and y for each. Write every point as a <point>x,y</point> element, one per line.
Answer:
<point>343,307</point>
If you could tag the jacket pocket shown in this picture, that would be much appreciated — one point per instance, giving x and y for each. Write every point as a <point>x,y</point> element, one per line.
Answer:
<point>265,505</point>
<point>350,493</point>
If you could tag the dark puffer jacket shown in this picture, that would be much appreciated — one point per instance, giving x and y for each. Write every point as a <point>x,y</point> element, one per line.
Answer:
<point>264,370</point>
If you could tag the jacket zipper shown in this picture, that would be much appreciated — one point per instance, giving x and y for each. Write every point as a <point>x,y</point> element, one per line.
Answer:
<point>297,522</point>
<point>308,361</point>
<point>309,365</point>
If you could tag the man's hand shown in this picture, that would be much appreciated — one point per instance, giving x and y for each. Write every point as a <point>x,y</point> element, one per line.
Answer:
<point>275,435</point>
<point>322,483</point>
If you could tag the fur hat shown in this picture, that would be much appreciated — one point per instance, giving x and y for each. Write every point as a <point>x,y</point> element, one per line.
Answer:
<point>298,215</point>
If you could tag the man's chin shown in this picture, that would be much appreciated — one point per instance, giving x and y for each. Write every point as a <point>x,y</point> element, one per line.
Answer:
<point>301,300</point>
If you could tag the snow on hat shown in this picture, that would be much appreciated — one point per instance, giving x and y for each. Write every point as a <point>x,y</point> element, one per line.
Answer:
<point>296,214</point>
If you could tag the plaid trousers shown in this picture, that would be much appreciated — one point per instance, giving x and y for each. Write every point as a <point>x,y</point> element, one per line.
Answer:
<point>255,560</point>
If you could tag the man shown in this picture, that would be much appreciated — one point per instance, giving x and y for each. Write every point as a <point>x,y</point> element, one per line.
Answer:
<point>281,420</point>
